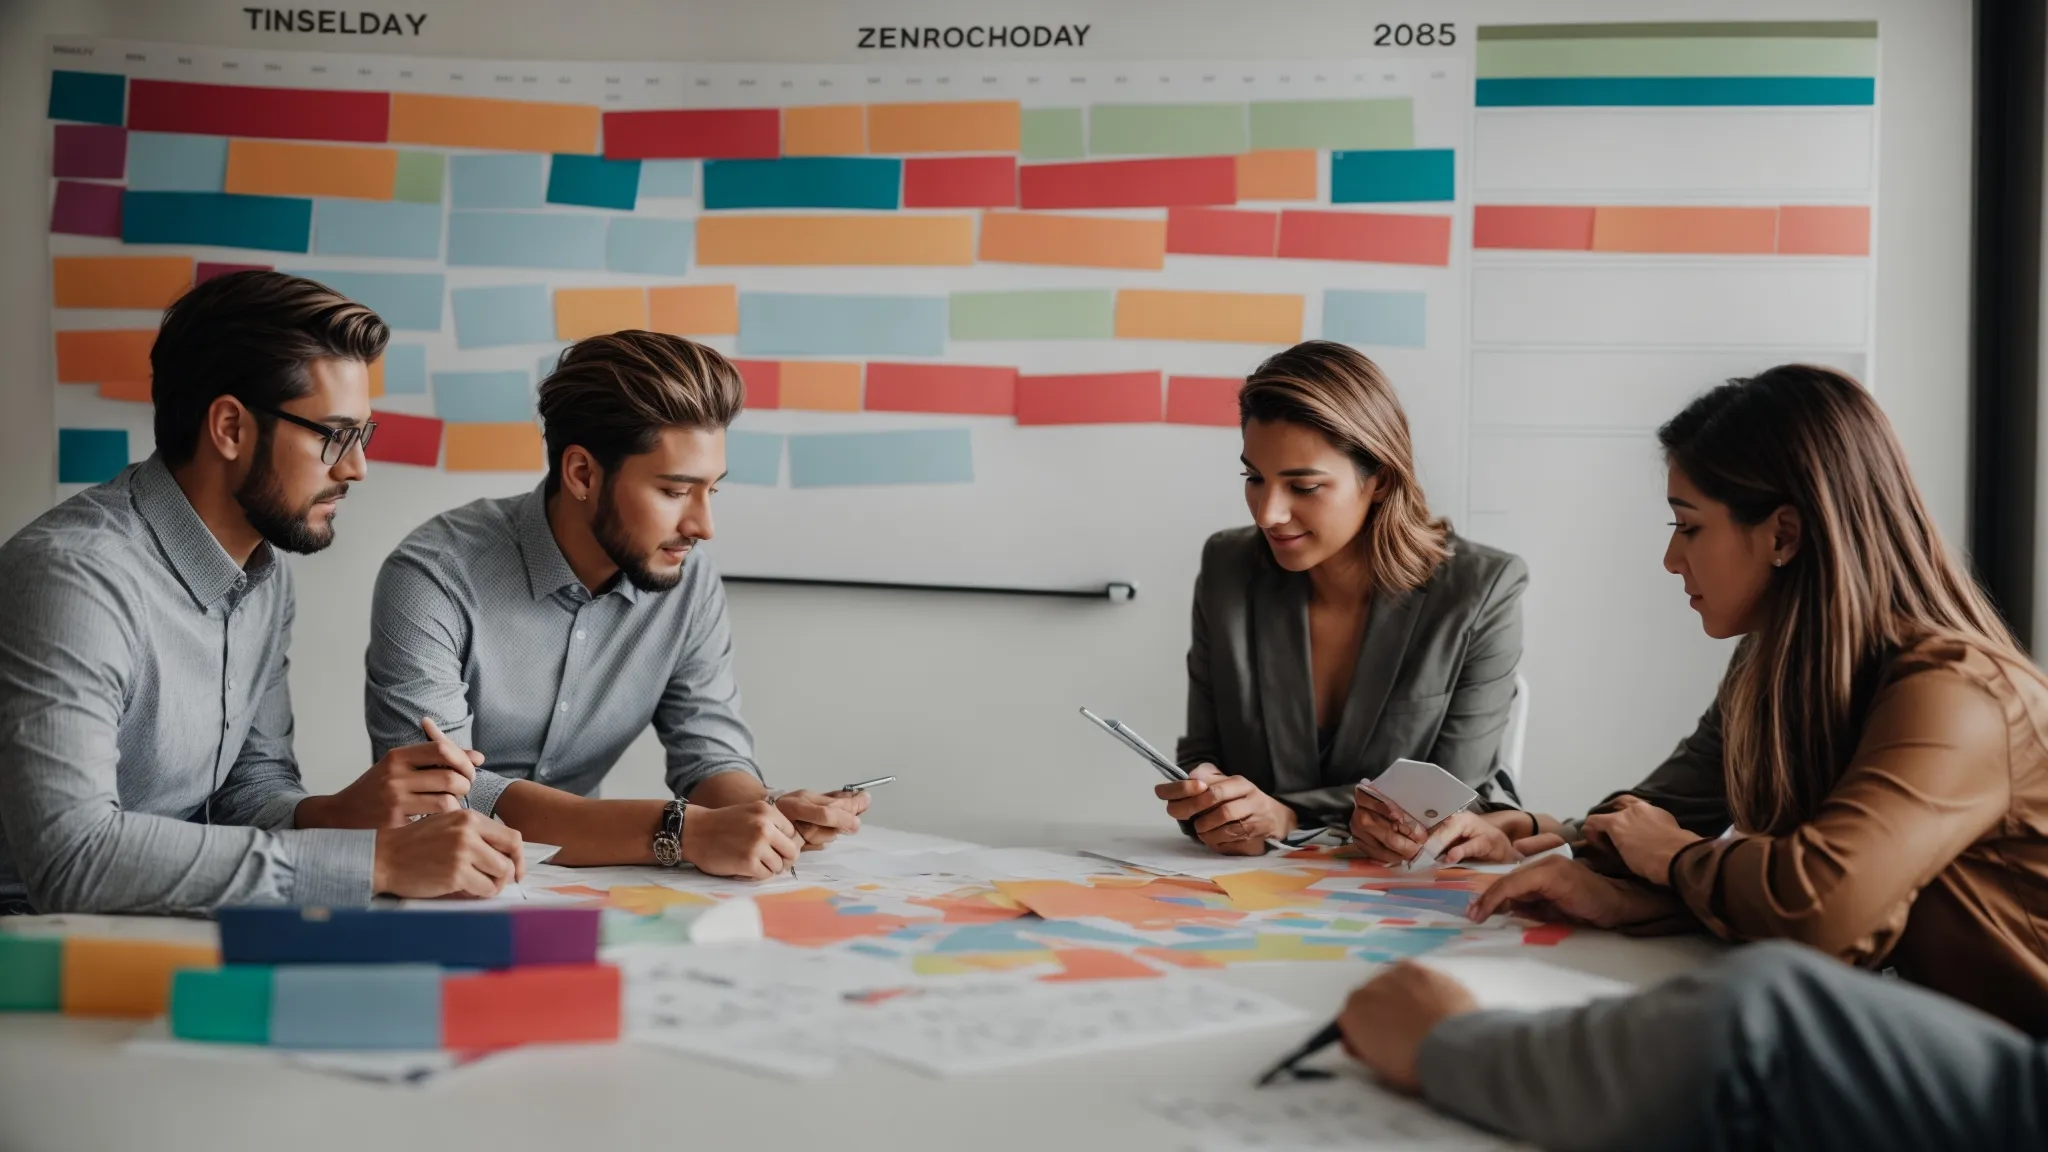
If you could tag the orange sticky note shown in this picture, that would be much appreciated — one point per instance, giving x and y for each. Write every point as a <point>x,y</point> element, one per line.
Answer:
<point>820,386</point>
<point>116,977</point>
<point>816,923</point>
<point>89,357</point>
<point>1098,964</point>
<point>1074,241</point>
<point>966,126</point>
<point>481,122</point>
<point>1277,175</point>
<point>835,240</point>
<point>581,312</point>
<point>1264,889</point>
<point>694,309</point>
<point>1245,317</point>
<point>1717,230</point>
<point>1824,230</point>
<point>513,447</point>
<point>149,282</point>
<point>1061,900</point>
<point>377,376</point>
<point>830,130</point>
<point>651,899</point>
<point>283,168</point>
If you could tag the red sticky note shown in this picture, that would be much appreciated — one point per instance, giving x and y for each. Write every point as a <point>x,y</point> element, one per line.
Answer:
<point>540,1004</point>
<point>763,381</point>
<point>1221,232</point>
<point>1203,400</point>
<point>694,134</point>
<point>956,388</point>
<point>1129,183</point>
<point>405,439</point>
<point>91,151</point>
<point>1096,398</point>
<point>83,209</point>
<point>274,113</point>
<point>1546,934</point>
<point>960,182</point>
<point>1372,237</point>
<point>1535,227</point>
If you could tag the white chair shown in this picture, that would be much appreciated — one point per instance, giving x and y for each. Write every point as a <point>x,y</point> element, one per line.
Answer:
<point>1511,740</point>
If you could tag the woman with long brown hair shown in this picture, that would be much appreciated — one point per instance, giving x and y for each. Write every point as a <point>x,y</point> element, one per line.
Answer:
<point>1346,628</point>
<point>1878,751</point>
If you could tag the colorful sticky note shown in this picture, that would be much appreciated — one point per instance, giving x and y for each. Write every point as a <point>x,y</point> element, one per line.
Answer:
<point>388,1007</point>
<point>922,456</point>
<point>802,182</point>
<point>1568,228</point>
<point>1368,317</point>
<point>821,241</point>
<point>960,182</point>
<point>1674,91</point>
<point>502,314</point>
<point>753,457</point>
<point>1221,232</point>
<point>550,1004</point>
<point>1208,400</point>
<point>1266,888</point>
<point>581,312</point>
<point>1033,314</point>
<point>123,976</point>
<point>526,240</point>
<point>1387,176</point>
<point>1167,130</point>
<point>419,178</point>
<point>216,219</point>
<point>1075,241</point>
<point>648,246</point>
<point>405,369</point>
<point>95,355</point>
<point>778,323</point>
<point>1064,900</point>
<point>242,110</point>
<point>83,209</point>
<point>1129,183</point>
<point>762,382</point>
<point>1091,398</point>
<point>952,388</point>
<point>89,151</point>
<point>828,130</point>
<point>1725,231</point>
<point>1098,964</point>
<point>228,1005</point>
<point>405,439</point>
<point>31,973</point>
<point>1053,134</point>
<point>496,397</point>
<point>408,301</point>
<point>962,126</point>
<point>513,446</point>
<point>693,134</point>
<point>484,122</point>
<point>1376,237</point>
<point>594,182</point>
<point>281,168</point>
<point>1824,230</point>
<point>1277,174</point>
<point>668,178</point>
<point>150,282</point>
<point>1387,122</point>
<point>821,386</point>
<point>372,228</point>
<point>91,97</point>
<point>1245,317</point>
<point>694,310</point>
<point>508,180</point>
<point>169,162</point>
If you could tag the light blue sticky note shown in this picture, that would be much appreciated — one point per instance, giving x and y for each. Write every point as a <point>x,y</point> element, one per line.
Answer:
<point>753,457</point>
<point>644,244</point>
<point>405,370</point>
<point>377,228</point>
<point>380,1006</point>
<point>507,314</point>
<point>668,177</point>
<point>483,397</point>
<point>1392,319</point>
<point>594,182</point>
<point>90,455</point>
<point>174,162</point>
<point>526,240</point>
<point>546,367</point>
<point>781,323</point>
<point>924,456</point>
<point>408,301</point>
<point>517,180</point>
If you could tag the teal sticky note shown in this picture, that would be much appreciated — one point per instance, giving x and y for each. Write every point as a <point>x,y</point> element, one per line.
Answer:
<point>405,370</point>
<point>229,1005</point>
<point>669,178</point>
<point>175,162</point>
<point>483,397</point>
<point>90,455</point>
<point>647,245</point>
<point>803,182</point>
<point>31,973</point>
<point>88,97</point>
<point>784,323</point>
<point>1393,319</point>
<point>1392,176</point>
<point>922,456</point>
<point>506,314</point>
<point>594,182</point>
<point>753,457</point>
<point>516,180</point>
<point>408,301</point>
<point>218,220</point>
<point>377,228</point>
<point>526,240</point>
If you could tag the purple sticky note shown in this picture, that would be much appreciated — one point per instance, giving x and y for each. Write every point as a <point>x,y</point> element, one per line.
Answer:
<point>208,270</point>
<point>554,936</point>
<point>87,209</point>
<point>92,151</point>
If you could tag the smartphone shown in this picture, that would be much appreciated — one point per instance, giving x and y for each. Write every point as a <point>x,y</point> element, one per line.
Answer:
<point>1427,793</point>
<point>1136,743</point>
<point>864,785</point>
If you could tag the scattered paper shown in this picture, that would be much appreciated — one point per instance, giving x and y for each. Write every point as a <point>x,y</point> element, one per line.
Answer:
<point>1346,1113</point>
<point>1524,985</point>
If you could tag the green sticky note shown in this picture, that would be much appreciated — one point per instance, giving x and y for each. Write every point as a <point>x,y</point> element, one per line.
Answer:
<point>1170,130</point>
<point>1053,134</point>
<point>228,1005</point>
<point>1383,123</point>
<point>419,178</point>
<point>1055,314</point>
<point>31,973</point>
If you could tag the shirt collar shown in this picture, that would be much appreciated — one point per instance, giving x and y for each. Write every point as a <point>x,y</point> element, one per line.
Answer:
<point>195,555</point>
<point>547,570</point>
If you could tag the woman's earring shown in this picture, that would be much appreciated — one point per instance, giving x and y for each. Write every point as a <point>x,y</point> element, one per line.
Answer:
<point>1778,563</point>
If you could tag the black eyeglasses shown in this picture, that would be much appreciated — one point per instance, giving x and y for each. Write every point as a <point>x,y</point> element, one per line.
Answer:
<point>338,440</point>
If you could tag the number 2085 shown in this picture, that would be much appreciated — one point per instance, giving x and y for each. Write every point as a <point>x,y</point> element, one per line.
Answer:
<point>1414,35</point>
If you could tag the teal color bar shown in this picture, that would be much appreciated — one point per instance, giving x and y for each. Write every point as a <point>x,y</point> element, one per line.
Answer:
<point>217,220</point>
<point>405,370</point>
<point>924,456</point>
<point>229,1005</point>
<point>803,182</point>
<point>1675,91</point>
<point>31,973</point>
<point>408,301</point>
<point>753,458</point>
<point>377,228</point>
<point>1388,319</point>
<point>88,97</point>
<point>1396,176</point>
<point>526,240</point>
<point>173,162</point>
<point>786,324</point>
<point>594,182</point>
<point>502,314</point>
<point>483,397</point>
<point>649,245</point>
<point>90,455</point>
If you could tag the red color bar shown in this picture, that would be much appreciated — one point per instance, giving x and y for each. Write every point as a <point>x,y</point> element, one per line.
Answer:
<point>1129,183</point>
<point>280,113</point>
<point>694,134</point>
<point>1376,237</point>
<point>968,391</point>
<point>403,439</point>
<point>1202,400</point>
<point>207,271</point>
<point>763,380</point>
<point>1221,232</point>
<point>542,1004</point>
<point>960,182</point>
<point>1522,226</point>
<point>1098,398</point>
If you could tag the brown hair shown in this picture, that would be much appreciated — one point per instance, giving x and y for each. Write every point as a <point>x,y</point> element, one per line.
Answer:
<point>1871,576</point>
<point>249,335</point>
<point>613,394</point>
<point>1335,390</point>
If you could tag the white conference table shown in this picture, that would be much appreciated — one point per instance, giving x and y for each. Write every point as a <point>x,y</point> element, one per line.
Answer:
<point>67,1083</point>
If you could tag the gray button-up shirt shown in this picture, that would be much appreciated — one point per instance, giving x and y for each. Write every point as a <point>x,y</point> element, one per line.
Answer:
<point>145,720</point>
<point>479,622</point>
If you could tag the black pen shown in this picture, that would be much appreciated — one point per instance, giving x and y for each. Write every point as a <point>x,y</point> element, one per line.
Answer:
<point>1330,1034</point>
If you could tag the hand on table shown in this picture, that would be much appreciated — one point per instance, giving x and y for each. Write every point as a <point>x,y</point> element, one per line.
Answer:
<point>1229,813</point>
<point>1564,890</point>
<point>460,853</point>
<point>1644,835</point>
<point>1386,834</point>
<point>822,817</point>
<point>1385,1022</point>
<point>411,781</point>
<point>750,841</point>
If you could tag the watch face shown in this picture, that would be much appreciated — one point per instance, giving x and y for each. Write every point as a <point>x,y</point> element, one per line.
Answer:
<point>665,853</point>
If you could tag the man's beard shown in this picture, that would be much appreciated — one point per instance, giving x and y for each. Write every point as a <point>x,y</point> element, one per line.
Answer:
<point>611,536</point>
<point>261,496</point>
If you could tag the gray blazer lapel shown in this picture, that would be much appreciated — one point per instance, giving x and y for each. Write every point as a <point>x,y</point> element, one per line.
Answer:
<point>1387,629</point>
<point>1287,704</point>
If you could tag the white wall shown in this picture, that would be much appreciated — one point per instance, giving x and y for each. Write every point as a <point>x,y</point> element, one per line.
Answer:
<point>971,700</point>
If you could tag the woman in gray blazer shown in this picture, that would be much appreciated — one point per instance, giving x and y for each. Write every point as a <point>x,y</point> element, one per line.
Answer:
<point>1347,628</point>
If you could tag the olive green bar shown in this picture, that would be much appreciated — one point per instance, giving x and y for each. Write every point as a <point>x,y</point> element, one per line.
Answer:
<point>1500,59</point>
<point>419,177</point>
<point>1167,129</point>
<point>1756,30</point>
<point>1336,124</point>
<point>1056,314</point>
<point>1054,134</point>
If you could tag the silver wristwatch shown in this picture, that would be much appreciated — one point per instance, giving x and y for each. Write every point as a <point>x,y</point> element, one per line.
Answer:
<point>668,843</point>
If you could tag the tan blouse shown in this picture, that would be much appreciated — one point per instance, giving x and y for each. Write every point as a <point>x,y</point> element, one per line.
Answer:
<point>1931,854</point>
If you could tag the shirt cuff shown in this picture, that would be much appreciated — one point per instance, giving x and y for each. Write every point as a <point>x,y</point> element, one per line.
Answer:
<point>334,867</point>
<point>684,783</point>
<point>279,811</point>
<point>485,790</point>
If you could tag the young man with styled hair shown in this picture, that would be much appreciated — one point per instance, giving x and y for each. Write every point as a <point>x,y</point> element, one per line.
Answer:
<point>146,759</point>
<point>548,630</point>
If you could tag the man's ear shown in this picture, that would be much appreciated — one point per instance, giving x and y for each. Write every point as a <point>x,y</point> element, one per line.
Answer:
<point>230,428</point>
<point>580,473</point>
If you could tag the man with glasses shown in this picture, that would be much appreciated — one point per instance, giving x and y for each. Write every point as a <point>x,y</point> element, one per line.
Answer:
<point>146,759</point>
